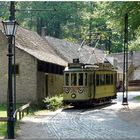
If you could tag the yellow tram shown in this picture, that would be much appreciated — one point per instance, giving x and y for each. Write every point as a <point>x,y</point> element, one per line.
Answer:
<point>89,84</point>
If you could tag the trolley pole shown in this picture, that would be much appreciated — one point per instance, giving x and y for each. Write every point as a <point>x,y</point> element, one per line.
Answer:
<point>125,64</point>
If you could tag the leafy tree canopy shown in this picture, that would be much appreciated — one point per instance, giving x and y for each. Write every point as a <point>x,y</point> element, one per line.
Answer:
<point>93,22</point>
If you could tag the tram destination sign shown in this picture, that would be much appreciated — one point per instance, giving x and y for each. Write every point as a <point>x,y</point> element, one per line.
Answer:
<point>75,65</point>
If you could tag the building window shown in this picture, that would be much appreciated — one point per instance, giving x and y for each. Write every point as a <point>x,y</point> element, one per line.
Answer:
<point>15,69</point>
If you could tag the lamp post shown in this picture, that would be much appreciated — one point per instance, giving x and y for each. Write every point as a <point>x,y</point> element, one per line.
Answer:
<point>10,28</point>
<point>125,65</point>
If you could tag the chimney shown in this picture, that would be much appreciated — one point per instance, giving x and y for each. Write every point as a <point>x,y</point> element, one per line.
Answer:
<point>43,31</point>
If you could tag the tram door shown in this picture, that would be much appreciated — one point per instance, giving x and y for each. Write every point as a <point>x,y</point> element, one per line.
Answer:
<point>90,85</point>
<point>46,85</point>
<point>93,85</point>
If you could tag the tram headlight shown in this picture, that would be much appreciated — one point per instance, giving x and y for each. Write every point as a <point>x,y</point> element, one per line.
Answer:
<point>73,95</point>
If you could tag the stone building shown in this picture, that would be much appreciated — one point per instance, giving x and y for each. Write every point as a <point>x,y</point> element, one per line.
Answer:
<point>40,62</point>
<point>39,70</point>
<point>133,68</point>
<point>133,64</point>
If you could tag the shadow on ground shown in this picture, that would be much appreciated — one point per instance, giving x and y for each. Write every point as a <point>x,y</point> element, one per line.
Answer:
<point>86,107</point>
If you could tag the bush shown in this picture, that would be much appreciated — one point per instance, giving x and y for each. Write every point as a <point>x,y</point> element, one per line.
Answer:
<point>53,103</point>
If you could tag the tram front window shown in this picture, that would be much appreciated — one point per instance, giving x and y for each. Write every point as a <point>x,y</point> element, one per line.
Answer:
<point>73,79</point>
<point>80,79</point>
<point>85,79</point>
<point>67,79</point>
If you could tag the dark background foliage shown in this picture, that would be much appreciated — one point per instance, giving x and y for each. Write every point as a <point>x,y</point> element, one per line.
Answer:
<point>101,22</point>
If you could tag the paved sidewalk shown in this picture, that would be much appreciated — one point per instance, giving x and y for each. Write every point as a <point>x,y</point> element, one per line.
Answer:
<point>63,124</point>
<point>110,122</point>
<point>131,113</point>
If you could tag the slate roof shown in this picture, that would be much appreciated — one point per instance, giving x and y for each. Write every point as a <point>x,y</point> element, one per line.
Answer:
<point>36,46</point>
<point>55,50</point>
<point>132,58</point>
<point>68,51</point>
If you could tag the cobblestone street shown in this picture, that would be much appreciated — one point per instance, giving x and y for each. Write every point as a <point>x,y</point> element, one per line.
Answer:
<point>100,122</point>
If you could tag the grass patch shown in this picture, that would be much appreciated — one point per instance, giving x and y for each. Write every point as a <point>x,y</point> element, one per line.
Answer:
<point>3,125</point>
<point>3,113</point>
<point>137,98</point>
<point>54,103</point>
<point>3,129</point>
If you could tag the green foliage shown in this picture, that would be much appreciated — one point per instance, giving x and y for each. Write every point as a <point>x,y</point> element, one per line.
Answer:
<point>76,21</point>
<point>137,98</point>
<point>3,107</point>
<point>134,44</point>
<point>4,10</point>
<point>53,103</point>
<point>114,13</point>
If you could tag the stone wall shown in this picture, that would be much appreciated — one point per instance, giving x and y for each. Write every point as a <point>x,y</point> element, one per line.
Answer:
<point>41,86</point>
<point>49,85</point>
<point>3,68</point>
<point>136,74</point>
<point>55,84</point>
<point>31,85</point>
<point>26,80</point>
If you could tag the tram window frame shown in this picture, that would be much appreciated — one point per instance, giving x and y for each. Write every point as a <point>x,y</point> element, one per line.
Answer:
<point>73,79</point>
<point>80,79</point>
<point>67,80</point>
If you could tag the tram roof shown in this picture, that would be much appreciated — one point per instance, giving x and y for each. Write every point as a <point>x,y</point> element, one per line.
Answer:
<point>133,59</point>
<point>84,68</point>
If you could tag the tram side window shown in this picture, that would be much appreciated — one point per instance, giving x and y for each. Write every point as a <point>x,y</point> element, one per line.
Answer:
<point>102,79</point>
<point>80,79</point>
<point>108,79</point>
<point>111,79</point>
<point>73,79</point>
<point>85,79</point>
<point>67,79</point>
<point>97,80</point>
